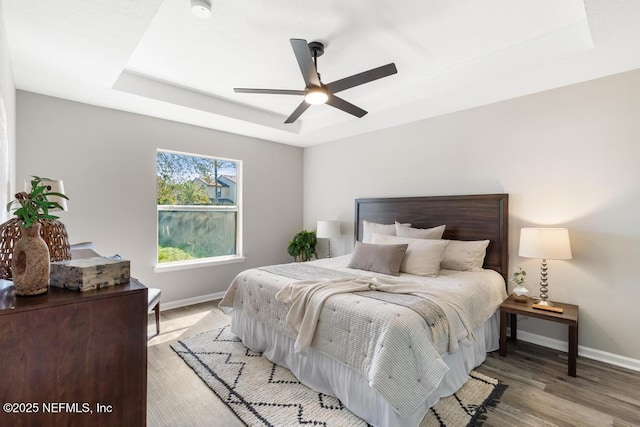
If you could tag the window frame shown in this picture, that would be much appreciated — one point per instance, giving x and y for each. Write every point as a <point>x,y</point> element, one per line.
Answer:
<point>209,261</point>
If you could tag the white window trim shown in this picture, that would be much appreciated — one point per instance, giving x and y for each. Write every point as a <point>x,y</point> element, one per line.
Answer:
<point>213,261</point>
<point>201,208</point>
<point>198,263</point>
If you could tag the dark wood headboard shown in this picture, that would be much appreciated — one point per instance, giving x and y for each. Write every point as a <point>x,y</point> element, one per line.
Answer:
<point>472,217</point>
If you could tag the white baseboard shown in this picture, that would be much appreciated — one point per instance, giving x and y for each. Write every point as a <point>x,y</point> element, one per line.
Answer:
<point>587,352</point>
<point>190,301</point>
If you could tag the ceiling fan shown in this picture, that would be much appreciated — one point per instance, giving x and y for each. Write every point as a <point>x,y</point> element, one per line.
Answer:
<point>317,92</point>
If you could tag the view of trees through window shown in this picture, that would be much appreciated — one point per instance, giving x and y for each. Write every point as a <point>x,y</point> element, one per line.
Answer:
<point>197,206</point>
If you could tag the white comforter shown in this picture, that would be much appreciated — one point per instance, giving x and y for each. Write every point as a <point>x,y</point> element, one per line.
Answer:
<point>388,344</point>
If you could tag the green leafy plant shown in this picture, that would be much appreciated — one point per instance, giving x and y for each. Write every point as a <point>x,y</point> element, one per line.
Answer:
<point>519,276</point>
<point>35,205</point>
<point>303,246</point>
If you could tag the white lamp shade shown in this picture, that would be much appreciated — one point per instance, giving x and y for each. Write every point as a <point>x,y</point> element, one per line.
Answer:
<point>328,229</point>
<point>54,186</point>
<point>545,243</point>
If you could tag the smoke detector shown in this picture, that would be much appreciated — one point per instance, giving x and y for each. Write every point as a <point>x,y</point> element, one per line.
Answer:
<point>201,8</point>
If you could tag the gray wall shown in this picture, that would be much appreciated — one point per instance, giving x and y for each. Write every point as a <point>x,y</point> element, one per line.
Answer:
<point>568,157</point>
<point>107,161</point>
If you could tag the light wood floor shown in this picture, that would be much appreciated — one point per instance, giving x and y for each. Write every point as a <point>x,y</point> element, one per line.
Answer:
<point>539,393</point>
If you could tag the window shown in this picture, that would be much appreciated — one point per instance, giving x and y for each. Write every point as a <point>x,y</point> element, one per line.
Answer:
<point>198,199</point>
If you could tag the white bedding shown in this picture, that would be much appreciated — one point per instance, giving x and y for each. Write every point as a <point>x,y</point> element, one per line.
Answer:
<point>386,344</point>
<point>325,375</point>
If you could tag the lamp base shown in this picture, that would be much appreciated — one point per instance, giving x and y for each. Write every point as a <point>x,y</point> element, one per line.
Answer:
<point>52,231</point>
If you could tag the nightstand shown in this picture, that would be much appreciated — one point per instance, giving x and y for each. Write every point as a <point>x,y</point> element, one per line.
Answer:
<point>568,317</point>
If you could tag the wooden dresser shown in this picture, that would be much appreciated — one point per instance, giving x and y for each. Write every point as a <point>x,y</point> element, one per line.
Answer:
<point>71,358</point>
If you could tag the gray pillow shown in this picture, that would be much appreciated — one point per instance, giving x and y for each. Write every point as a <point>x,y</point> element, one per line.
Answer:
<point>385,259</point>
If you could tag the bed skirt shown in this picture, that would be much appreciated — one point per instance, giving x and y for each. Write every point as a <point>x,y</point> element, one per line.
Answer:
<point>324,374</point>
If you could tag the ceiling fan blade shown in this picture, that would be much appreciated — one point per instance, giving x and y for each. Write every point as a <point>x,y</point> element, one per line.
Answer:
<point>362,78</point>
<point>298,112</point>
<point>305,61</point>
<point>269,91</point>
<point>343,105</point>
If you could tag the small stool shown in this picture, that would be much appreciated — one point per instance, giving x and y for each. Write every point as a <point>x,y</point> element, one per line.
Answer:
<point>154,295</point>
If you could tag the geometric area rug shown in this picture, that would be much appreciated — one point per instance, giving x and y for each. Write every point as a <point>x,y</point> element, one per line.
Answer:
<point>262,393</point>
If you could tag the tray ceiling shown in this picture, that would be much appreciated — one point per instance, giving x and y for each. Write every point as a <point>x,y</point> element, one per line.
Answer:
<point>154,57</point>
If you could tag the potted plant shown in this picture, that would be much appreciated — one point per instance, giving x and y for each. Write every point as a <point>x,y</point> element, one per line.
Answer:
<point>303,246</point>
<point>30,263</point>
<point>520,292</point>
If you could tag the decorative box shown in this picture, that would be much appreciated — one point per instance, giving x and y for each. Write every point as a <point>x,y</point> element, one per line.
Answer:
<point>89,273</point>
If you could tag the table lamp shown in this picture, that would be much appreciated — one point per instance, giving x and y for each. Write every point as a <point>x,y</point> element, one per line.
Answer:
<point>544,243</point>
<point>54,186</point>
<point>328,230</point>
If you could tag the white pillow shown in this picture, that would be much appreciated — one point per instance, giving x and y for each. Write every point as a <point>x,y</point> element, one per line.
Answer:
<point>423,256</point>
<point>405,230</point>
<point>368,228</point>
<point>464,255</point>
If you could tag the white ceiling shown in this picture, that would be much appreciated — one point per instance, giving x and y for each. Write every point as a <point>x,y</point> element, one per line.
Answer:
<point>154,57</point>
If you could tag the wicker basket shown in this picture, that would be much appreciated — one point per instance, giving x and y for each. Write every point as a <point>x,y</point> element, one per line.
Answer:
<point>52,231</point>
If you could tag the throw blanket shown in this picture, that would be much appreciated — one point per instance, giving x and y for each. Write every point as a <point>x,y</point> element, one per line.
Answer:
<point>305,271</point>
<point>307,298</point>
<point>430,311</point>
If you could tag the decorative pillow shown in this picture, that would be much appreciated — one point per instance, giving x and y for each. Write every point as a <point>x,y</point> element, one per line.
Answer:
<point>404,230</point>
<point>385,259</point>
<point>423,256</point>
<point>368,228</point>
<point>465,255</point>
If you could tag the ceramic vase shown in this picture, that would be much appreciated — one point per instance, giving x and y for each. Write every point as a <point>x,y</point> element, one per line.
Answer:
<point>30,264</point>
<point>520,293</point>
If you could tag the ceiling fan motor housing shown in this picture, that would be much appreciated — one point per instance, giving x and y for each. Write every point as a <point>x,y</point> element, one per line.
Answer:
<point>316,48</point>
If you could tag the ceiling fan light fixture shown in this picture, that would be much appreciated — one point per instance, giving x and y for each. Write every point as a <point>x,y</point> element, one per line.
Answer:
<point>201,8</point>
<point>316,92</point>
<point>316,95</point>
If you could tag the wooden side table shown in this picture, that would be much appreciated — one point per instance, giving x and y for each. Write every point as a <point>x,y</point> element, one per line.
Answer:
<point>568,317</point>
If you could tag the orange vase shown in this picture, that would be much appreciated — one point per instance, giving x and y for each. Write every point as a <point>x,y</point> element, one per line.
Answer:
<point>30,264</point>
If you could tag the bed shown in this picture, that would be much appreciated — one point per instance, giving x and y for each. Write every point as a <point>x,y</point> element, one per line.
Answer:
<point>388,356</point>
